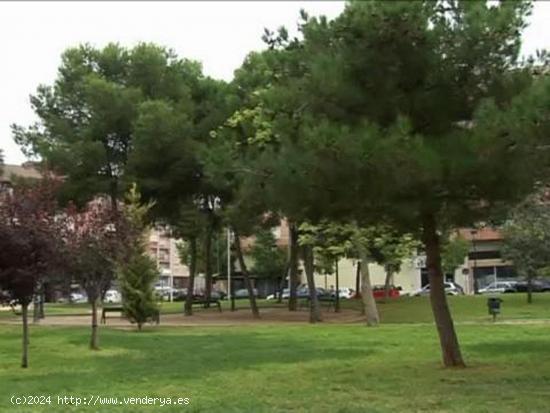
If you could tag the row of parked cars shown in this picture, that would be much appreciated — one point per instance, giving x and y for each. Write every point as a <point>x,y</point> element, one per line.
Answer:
<point>496,287</point>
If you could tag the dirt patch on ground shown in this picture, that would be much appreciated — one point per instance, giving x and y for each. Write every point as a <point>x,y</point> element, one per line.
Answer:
<point>209,317</point>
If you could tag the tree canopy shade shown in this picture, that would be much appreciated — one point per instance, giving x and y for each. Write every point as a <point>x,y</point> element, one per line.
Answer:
<point>416,113</point>
<point>87,118</point>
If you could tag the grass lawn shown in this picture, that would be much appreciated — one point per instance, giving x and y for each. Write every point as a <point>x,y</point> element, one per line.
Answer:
<point>402,310</point>
<point>320,368</point>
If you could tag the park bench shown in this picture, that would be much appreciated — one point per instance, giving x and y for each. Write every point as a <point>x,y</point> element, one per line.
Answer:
<point>202,301</point>
<point>120,309</point>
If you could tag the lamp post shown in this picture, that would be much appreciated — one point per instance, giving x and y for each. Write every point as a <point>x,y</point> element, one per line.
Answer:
<point>229,263</point>
<point>337,303</point>
<point>473,232</point>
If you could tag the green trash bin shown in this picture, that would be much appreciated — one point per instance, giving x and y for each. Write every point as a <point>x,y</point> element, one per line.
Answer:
<point>493,304</point>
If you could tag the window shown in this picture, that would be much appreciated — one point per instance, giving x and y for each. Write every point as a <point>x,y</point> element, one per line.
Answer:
<point>484,255</point>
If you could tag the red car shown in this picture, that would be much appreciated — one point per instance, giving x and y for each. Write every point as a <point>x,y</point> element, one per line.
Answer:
<point>378,291</point>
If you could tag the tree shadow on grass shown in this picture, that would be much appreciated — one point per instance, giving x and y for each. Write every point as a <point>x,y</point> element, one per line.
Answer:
<point>535,346</point>
<point>194,355</point>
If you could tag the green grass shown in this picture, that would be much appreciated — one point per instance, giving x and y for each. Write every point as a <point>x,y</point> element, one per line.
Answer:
<point>402,310</point>
<point>321,368</point>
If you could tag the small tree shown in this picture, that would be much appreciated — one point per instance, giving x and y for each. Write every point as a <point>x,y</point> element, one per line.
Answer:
<point>97,241</point>
<point>453,253</point>
<point>138,276</point>
<point>527,240</point>
<point>30,245</point>
<point>136,283</point>
<point>269,259</point>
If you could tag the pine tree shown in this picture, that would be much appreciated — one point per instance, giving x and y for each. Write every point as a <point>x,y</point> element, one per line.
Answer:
<point>138,276</point>
<point>136,283</point>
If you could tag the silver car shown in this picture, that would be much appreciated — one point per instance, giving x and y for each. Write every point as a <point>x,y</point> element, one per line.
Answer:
<point>450,289</point>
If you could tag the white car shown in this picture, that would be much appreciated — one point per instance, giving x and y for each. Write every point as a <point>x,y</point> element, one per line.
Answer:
<point>450,289</point>
<point>499,287</point>
<point>345,293</point>
<point>112,296</point>
<point>78,298</point>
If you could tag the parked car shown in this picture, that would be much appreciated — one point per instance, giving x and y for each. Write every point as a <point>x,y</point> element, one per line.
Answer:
<point>179,294</point>
<point>112,296</point>
<point>243,293</point>
<point>343,293</point>
<point>450,289</point>
<point>164,292</point>
<point>220,295</point>
<point>537,286</point>
<point>301,292</point>
<point>499,287</point>
<point>78,298</point>
<point>379,291</point>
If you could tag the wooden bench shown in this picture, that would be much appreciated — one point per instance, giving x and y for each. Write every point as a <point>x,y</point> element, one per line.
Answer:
<point>120,309</point>
<point>204,302</point>
<point>111,309</point>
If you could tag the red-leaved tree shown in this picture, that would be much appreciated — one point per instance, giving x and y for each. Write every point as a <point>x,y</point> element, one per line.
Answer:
<point>31,244</point>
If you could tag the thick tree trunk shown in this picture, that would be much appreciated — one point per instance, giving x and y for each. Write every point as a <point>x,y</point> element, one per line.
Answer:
<point>208,265</point>
<point>246,276</point>
<point>529,290</point>
<point>387,283</point>
<point>293,262</point>
<point>367,296</point>
<point>94,340</point>
<point>188,308</point>
<point>314,310</point>
<point>25,350</point>
<point>450,348</point>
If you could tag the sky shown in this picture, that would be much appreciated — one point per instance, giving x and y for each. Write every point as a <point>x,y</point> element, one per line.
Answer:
<point>218,34</point>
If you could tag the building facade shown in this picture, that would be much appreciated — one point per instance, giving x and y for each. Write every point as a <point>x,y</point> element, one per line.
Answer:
<point>162,248</point>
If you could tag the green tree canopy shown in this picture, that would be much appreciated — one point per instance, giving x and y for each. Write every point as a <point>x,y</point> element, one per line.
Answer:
<point>419,114</point>
<point>87,118</point>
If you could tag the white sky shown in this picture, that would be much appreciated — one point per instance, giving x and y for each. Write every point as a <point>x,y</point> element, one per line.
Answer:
<point>219,34</point>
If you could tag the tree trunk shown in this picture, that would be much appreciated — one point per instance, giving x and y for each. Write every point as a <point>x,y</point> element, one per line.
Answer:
<point>246,276</point>
<point>282,283</point>
<point>358,280</point>
<point>208,265</point>
<point>450,348</point>
<point>293,262</point>
<point>114,194</point>
<point>41,303</point>
<point>36,308</point>
<point>188,308</point>
<point>369,303</point>
<point>25,317</point>
<point>337,301</point>
<point>314,311</point>
<point>389,275</point>
<point>94,341</point>
<point>529,290</point>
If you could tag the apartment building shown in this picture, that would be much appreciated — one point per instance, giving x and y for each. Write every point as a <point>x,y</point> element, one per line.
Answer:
<point>163,250</point>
